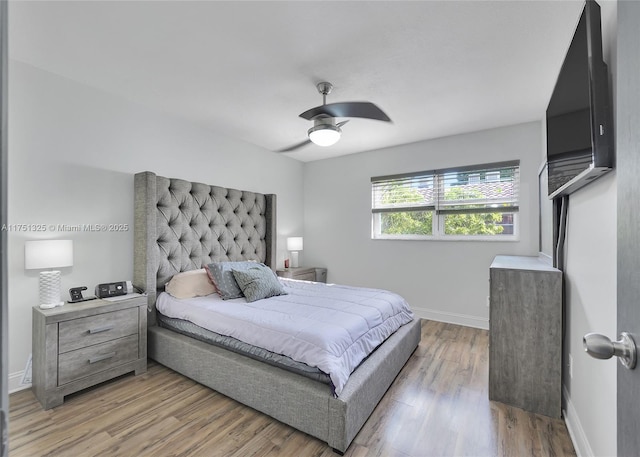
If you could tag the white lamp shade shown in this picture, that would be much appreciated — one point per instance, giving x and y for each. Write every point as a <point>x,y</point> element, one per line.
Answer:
<point>325,135</point>
<point>43,254</point>
<point>294,243</point>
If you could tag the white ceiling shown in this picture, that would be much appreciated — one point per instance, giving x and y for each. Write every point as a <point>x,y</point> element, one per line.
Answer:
<point>247,69</point>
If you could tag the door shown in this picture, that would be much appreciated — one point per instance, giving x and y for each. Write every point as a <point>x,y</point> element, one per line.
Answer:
<point>4,375</point>
<point>628,251</point>
<point>628,176</point>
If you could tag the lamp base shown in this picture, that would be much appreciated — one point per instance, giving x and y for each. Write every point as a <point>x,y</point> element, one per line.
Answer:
<point>50,286</point>
<point>50,305</point>
<point>294,259</point>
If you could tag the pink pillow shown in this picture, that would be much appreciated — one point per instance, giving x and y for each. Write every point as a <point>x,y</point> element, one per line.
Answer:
<point>189,284</point>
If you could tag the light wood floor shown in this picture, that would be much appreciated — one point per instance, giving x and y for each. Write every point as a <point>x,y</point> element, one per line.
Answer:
<point>438,406</point>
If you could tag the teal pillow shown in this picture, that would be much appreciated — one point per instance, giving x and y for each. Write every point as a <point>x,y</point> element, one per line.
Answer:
<point>258,282</point>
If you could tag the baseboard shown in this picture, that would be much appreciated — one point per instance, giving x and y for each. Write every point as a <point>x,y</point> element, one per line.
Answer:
<point>15,382</point>
<point>576,432</point>
<point>452,318</point>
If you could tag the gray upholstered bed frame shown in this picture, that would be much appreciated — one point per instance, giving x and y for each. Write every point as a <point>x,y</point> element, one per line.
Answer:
<point>180,226</point>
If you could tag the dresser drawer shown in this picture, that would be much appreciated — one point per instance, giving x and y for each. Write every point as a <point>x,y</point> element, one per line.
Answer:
<point>87,331</point>
<point>87,361</point>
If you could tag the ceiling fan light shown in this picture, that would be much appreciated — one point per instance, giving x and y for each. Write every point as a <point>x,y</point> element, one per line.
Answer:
<point>324,134</point>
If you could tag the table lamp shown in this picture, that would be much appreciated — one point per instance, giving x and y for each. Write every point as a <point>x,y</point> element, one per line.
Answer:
<point>294,244</point>
<point>49,254</point>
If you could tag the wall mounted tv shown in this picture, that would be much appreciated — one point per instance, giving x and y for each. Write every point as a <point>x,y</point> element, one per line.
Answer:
<point>579,126</point>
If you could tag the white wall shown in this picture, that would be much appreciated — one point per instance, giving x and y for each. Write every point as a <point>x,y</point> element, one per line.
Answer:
<point>442,280</point>
<point>590,287</point>
<point>73,151</point>
<point>590,301</point>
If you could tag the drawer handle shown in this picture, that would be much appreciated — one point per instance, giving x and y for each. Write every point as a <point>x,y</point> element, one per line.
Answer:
<point>106,328</point>
<point>102,357</point>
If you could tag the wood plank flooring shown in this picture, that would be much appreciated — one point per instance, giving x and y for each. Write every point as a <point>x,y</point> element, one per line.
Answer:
<point>438,406</point>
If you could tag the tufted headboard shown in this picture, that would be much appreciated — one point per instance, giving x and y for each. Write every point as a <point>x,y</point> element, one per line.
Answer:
<point>181,225</point>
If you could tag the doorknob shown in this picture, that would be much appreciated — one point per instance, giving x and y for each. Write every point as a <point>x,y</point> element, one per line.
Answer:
<point>601,347</point>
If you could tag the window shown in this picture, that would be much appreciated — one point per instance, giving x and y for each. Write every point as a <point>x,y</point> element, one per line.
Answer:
<point>473,202</point>
<point>492,176</point>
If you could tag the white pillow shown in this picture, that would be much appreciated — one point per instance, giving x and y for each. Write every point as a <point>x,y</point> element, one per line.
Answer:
<point>192,283</point>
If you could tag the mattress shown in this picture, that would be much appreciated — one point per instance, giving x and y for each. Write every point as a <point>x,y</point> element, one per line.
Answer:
<point>326,326</point>
<point>240,347</point>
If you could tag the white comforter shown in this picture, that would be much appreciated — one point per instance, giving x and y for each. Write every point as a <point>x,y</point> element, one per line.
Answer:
<point>327,326</point>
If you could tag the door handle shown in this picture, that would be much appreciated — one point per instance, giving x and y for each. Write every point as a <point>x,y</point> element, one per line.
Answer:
<point>601,347</point>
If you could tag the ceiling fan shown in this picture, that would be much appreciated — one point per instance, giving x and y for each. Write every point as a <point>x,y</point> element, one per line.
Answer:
<point>325,130</point>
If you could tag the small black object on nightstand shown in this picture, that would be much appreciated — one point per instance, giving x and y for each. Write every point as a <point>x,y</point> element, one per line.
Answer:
<point>76,294</point>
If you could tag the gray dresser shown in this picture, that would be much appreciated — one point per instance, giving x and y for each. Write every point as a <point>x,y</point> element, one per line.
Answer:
<point>82,344</point>
<point>525,337</point>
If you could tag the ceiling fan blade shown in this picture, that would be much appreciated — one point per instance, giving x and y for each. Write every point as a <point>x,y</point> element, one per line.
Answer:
<point>365,110</point>
<point>295,146</point>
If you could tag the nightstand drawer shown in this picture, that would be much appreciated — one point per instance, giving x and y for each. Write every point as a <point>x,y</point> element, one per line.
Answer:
<point>304,273</point>
<point>87,361</point>
<point>305,277</point>
<point>87,331</point>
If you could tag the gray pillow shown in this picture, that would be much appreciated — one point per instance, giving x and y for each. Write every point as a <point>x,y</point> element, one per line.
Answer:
<point>222,277</point>
<point>258,282</point>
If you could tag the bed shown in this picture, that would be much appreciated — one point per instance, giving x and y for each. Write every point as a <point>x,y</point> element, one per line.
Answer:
<point>181,226</point>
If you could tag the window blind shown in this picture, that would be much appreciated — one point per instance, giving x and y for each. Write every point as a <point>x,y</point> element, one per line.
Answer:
<point>492,188</point>
<point>409,192</point>
<point>487,188</point>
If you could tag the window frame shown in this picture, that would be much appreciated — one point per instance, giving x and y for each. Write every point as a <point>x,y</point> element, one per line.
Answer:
<point>439,214</point>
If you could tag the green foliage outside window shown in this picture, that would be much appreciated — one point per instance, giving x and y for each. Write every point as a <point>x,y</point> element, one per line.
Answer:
<point>405,222</point>
<point>470,223</point>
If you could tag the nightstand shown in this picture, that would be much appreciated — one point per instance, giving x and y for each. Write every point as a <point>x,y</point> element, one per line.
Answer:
<point>79,345</point>
<point>304,273</point>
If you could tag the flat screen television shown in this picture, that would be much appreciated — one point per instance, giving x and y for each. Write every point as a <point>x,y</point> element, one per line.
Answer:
<point>579,126</point>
